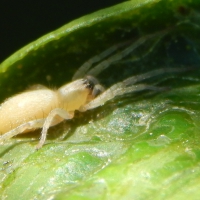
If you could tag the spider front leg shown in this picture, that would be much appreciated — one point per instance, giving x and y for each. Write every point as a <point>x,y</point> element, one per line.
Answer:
<point>82,71</point>
<point>111,58</point>
<point>116,90</point>
<point>127,86</point>
<point>50,120</point>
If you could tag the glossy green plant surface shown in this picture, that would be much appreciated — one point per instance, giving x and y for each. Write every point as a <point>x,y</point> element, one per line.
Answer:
<point>140,146</point>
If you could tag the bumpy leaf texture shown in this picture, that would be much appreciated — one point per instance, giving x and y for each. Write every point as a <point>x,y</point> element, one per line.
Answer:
<point>144,145</point>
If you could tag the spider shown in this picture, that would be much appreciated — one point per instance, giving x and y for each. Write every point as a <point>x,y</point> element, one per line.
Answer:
<point>42,107</point>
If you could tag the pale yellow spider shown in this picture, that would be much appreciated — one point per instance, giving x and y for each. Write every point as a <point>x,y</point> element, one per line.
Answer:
<point>42,107</point>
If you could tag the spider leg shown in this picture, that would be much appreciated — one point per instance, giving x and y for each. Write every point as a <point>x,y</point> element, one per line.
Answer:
<point>134,79</point>
<point>127,86</point>
<point>116,90</point>
<point>88,64</point>
<point>50,121</point>
<point>118,56</point>
<point>20,129</point>
<point>142,56</point>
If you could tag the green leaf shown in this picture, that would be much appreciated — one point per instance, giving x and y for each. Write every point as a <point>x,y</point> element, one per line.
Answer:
<point>140,146</point>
